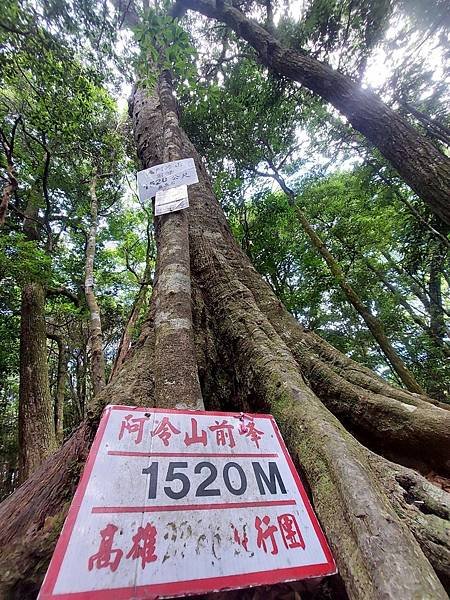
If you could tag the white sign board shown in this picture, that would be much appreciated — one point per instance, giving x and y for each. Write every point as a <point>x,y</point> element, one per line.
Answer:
<point>171,200</point>
<point>166,176</point>
<point>181,502</point>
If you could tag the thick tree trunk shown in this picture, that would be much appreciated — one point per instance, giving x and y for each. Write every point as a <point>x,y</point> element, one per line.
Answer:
<point>175,365</point>
<point>95,323</point>
<point>250,359</point>
<point>424,168</point>
<point>267,373</point>
<point>36,426</point>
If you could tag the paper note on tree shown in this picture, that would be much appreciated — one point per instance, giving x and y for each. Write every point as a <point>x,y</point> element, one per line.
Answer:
<point>166,176</point>
<point>171,200</point>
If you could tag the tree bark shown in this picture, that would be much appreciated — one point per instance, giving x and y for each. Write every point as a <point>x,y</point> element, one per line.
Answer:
<point>127,335</point>
<point>95,323</point>
<point>422,166</point>
<point>61,378</point>
<point>175,364</point>
<point>367,506</point>
<point>36,426</point>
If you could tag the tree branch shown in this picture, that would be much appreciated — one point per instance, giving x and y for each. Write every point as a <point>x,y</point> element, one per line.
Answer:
<point>62,291</point>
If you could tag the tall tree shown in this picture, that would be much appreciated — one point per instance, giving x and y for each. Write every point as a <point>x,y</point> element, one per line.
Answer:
<point>421,164</point>
<point>95,323</point>
<point>386,523</point>
<point>243,333</point>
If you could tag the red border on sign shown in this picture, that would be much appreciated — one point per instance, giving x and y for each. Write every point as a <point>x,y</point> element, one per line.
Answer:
<point>180,587</point>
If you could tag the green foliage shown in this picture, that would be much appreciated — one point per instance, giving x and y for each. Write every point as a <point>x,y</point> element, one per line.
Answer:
<point>163,44</point>
<point>61,62</point>
<point>361,223</point>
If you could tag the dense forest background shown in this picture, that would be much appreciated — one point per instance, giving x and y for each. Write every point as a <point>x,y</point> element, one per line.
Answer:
<point>343,241</point>
<point>324,126</point>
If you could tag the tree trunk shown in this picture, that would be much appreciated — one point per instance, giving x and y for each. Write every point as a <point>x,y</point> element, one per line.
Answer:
<point>252,355</point>
<point>175,365</point>
<point>424,168</point>
<point>373,324</point>
<point>61,378</point>
<point>36,426</point>
<point>418,320</point>
<point>138,304</point>
<point>11,184</point>
<point>8,191</point>
<point>95,323</point>
<point>437,321</point>
<point>127,335</point>
<point>417,287</point>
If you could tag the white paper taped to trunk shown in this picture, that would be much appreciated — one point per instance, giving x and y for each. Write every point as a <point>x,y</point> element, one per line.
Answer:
<point>171,200</point>
<point>166,176</point>
<point>179,502</point>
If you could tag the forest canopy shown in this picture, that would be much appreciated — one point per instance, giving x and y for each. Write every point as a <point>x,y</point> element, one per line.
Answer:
<point>325,128</point>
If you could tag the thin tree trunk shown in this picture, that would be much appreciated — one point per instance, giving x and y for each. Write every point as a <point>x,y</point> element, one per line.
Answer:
<point>8,191</point>
<point>127,335</point>
<point>95,324</point>
<point>437,129</point>
<point>368,507</point>
<point>418,320</point>
<point>61,379</point>
<point>437,321</point>
<point>373,324</point>
<point>424,168</point>
<point>417,286</point>
<point>11,184</point>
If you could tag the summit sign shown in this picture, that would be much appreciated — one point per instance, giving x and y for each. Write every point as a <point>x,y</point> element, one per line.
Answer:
<point>182,502</point>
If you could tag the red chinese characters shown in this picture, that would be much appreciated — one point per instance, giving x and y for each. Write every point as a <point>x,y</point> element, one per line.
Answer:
<point>290,531</point>
<point>249,430</point>
<point>287,526</point>
<point>165,430</point>
<point>266,532</point>
<point>242,541</point>
<point>224,433</point>
<point>195,437</point>
<point>132,424</point>
<point>144,543</point>
<point>107,556</point>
